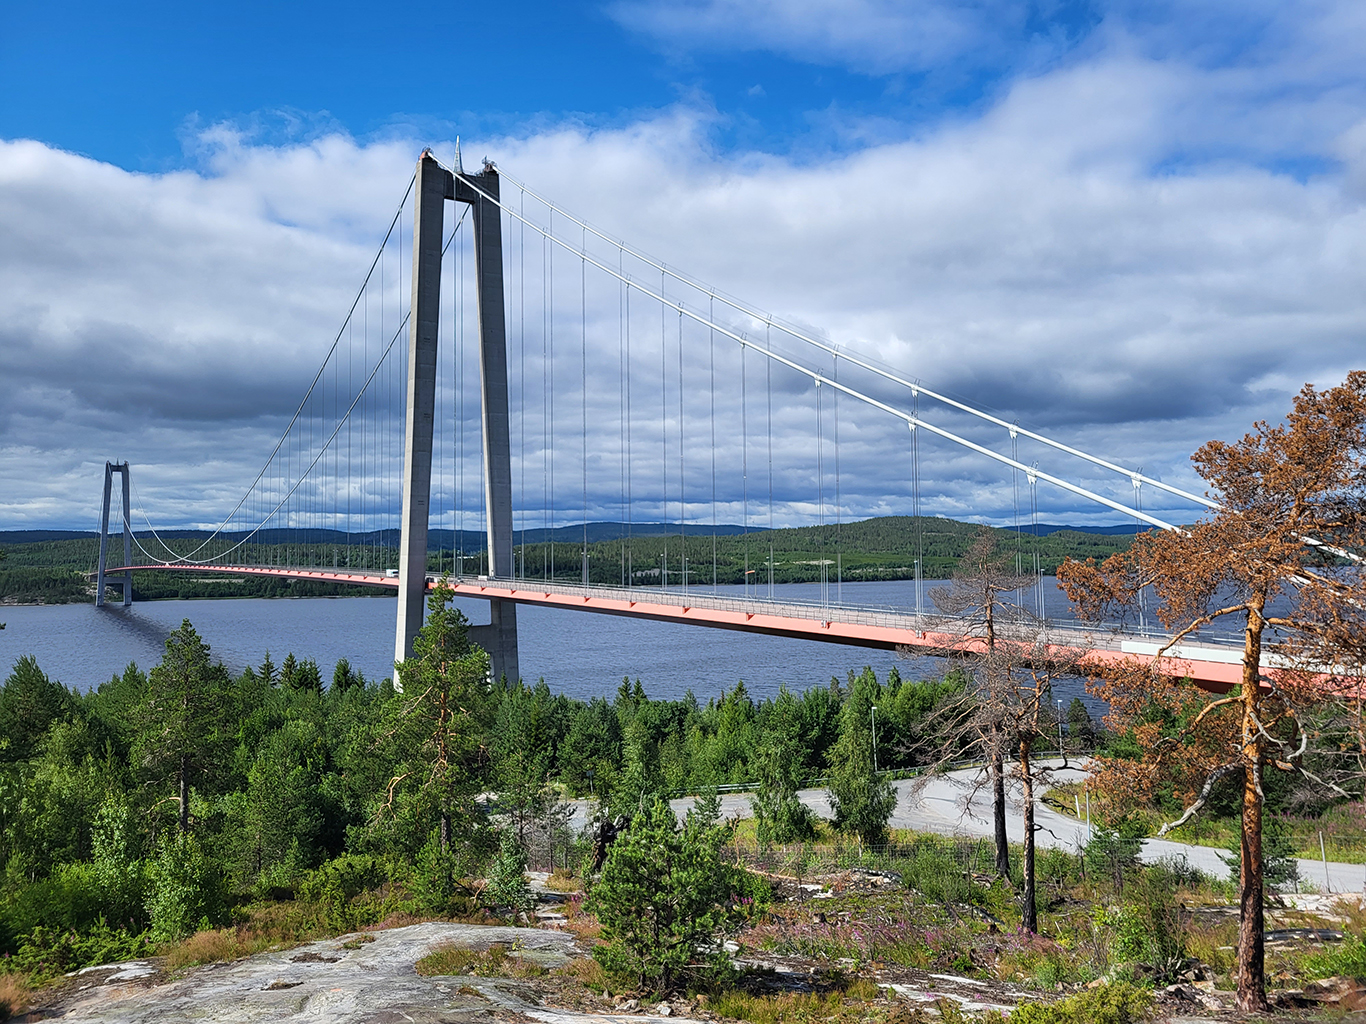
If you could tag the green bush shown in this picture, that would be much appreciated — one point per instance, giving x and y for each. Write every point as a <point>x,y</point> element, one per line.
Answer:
<point>1113,853</point>
<point>1149,927</point>
<point>47,953</point>
<point>1347,959</point>
<point>337,885</point>
<point>507,886</point>
<point>68,899</point>
<point>664,897</point>
<point>186,890</point>
<point>1118,1003</point>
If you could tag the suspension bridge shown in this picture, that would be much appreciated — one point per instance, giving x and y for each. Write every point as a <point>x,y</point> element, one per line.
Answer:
<point>586,382</point>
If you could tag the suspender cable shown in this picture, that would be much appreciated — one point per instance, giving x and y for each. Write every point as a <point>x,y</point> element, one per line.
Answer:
<point>664,434</point>
<point>630,510</point>
<point>550,340</point>
<point>621,403</point>
<point>744,454</point>
<point>839,513</point>
<point>820,494</point>
<point>711,361</point>
<point>1142,599</point>
<point>768,393</point>
<point>583,355</point>
<point>549,336</point>
<point>462,320</point>
<point>682,479</point>
<point>545,408</point>
<point>1040,608</point>
<point>521,376</point>
<point>919,520</point>
<point>1015,484</point>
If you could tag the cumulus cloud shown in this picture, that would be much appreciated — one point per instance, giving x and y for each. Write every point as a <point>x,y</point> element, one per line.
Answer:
<point>1061,259</point>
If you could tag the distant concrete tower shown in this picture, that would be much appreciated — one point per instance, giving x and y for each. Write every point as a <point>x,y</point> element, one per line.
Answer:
<point>434,186</point>
<point>126,579</point>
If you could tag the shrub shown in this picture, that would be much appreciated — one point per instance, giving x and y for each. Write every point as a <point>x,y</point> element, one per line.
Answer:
<point>68,899</point>
<point>46,953</point>
<point>336,886</point>
<point>186,891</point>
<point>1118,1003</point>
<point>1280,868</point>
<point>1113,853</point>
<point>664,896</point>
<point>1347,959</point>
<point>507,885</point>
<point>437,878</point>
<point>1149,927</point>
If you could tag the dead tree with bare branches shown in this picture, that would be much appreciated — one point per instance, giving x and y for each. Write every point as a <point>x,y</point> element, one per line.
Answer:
<point>976,605</point>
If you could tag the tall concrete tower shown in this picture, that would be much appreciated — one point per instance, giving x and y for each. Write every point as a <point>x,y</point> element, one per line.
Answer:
<point>480,191</point>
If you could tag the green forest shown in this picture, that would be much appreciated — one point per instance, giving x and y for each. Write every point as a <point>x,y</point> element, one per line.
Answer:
<point>885,548</point>
<point>160,801</point>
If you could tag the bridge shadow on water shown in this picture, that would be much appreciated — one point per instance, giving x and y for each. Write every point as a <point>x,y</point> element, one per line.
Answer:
<point>140,627</point>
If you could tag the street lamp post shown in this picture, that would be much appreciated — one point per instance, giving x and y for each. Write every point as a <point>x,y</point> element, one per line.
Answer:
<point>872,713</point>
<point>1060,726</point>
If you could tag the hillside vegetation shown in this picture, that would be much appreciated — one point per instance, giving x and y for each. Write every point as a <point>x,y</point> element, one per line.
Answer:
<point>886,548</point>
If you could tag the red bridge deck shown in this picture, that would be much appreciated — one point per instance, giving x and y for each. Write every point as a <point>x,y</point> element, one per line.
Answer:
<point>1211,666</point>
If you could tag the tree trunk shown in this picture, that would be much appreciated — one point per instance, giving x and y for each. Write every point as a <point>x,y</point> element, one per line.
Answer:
<point>184,794</point>
<point>1251,937</point>
<point>998,809</point>
<point>445,830</point>
<point>1029,916</point>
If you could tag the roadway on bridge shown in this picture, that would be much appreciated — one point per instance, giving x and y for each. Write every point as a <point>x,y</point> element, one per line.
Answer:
<point>1213,666</point>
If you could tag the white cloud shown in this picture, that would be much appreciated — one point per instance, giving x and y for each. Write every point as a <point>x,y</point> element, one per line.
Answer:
<point>1056,259</point>
<point>876,36</point>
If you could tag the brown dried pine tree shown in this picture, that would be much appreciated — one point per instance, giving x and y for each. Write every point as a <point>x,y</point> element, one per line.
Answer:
<point>1280,558</point>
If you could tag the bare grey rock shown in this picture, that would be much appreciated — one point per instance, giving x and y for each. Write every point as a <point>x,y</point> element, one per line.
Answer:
<point>374,983</point>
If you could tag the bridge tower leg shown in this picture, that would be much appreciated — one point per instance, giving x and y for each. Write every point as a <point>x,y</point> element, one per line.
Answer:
<point>435,185</point>
<point>480,191</point>
<point>110,468</point>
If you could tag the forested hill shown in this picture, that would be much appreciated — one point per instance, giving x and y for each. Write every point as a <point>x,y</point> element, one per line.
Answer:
<point>51,566</point>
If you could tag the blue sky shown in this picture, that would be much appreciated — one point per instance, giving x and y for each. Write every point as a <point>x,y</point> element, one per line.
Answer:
<point>128,85</point>
<point>1137,226</point>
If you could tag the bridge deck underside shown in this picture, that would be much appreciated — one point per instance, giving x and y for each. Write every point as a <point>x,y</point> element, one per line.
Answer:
<point>1212,667</point>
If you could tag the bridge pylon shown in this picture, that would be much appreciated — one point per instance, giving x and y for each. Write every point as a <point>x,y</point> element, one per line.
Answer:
<point>480,191</point>
<point>126,578</point>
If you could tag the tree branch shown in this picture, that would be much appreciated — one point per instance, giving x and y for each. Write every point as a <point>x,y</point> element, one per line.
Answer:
<point>1202,799</point>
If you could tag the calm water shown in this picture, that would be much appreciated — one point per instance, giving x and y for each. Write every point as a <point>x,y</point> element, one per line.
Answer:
<point>583,655</point>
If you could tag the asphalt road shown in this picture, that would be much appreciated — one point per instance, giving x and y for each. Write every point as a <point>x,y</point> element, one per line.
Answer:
<point>959,803</point>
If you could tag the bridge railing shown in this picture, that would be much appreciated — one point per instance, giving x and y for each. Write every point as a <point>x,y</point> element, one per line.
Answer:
<point>1050,631</point>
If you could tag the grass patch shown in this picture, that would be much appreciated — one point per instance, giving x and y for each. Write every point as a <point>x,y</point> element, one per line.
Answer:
<point>357,942</point>
<point>849,1001</point>
<point>561,880</point>
<point>13,996</point>
<point>267,926</point>
<point>1119,1003</point>
<point>494,962</point>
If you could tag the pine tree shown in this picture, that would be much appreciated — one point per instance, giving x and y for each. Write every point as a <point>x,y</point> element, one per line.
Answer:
<point>863,802</point>
<point>183,718</point>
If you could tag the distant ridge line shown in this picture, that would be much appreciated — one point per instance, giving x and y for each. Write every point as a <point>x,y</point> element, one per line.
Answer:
<point>474,539</point>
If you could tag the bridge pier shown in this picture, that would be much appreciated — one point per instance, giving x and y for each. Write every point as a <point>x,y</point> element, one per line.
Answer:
<point>434,186</point>
<point>110,468</point>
